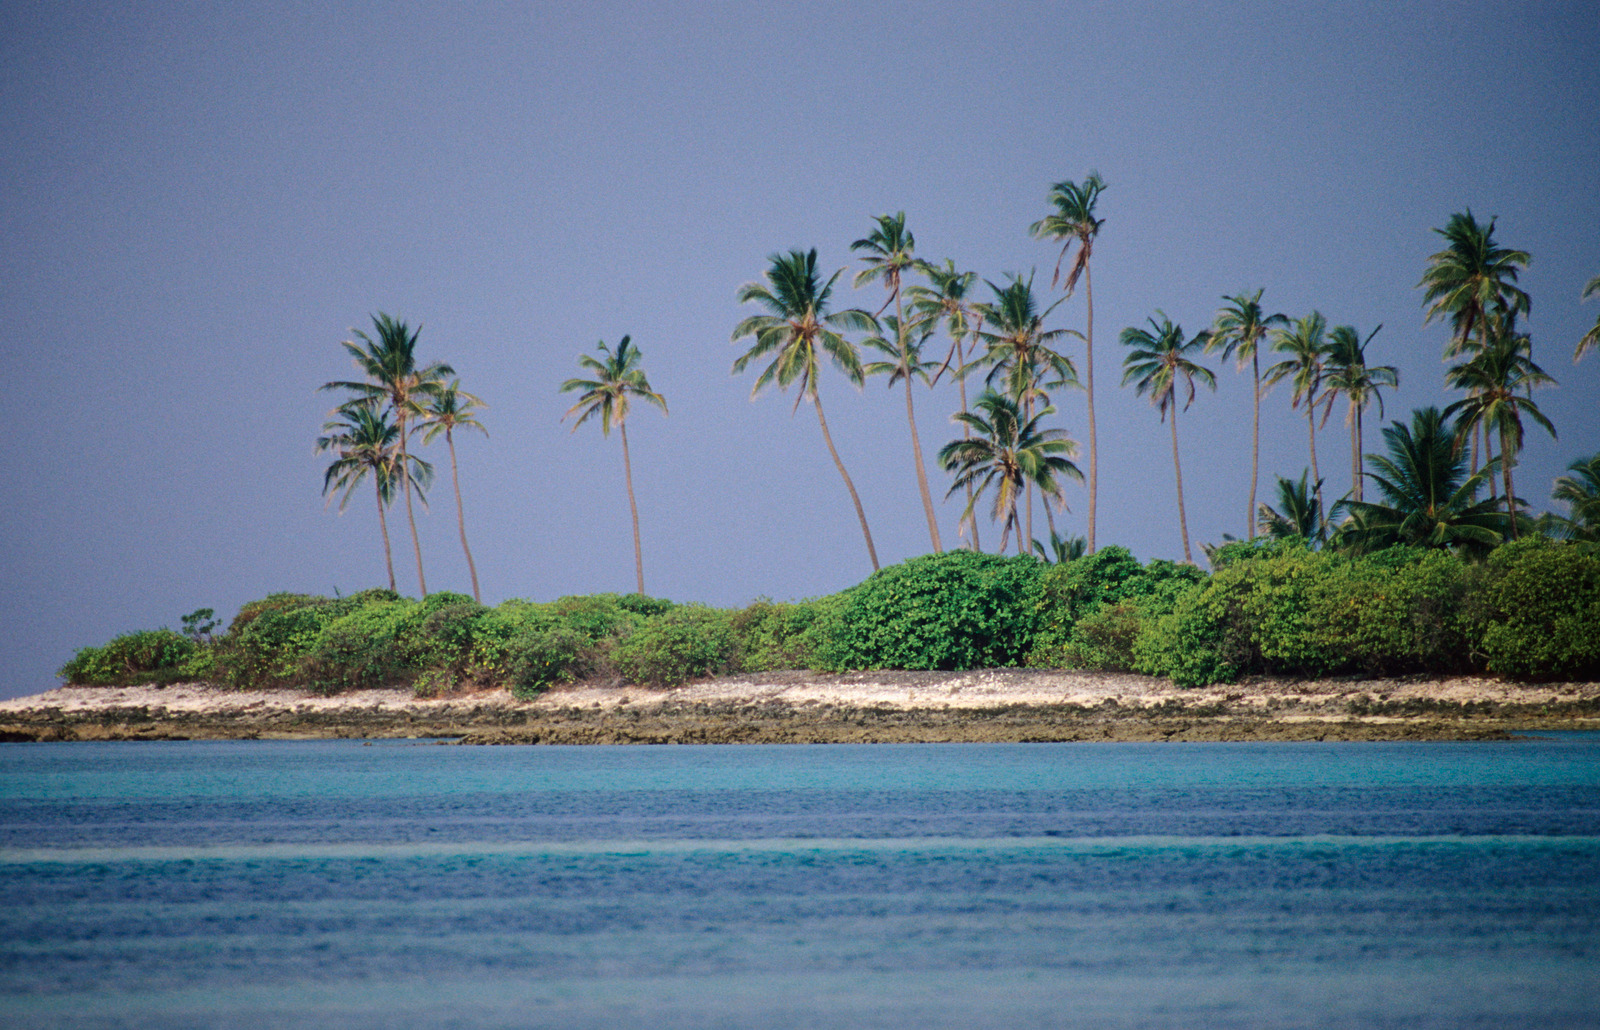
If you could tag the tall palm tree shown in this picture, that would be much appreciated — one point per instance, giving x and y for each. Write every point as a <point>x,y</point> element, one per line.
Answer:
<point>1581,493</point>
<point>1157,363</point>
<point>1499,380</point>
<point>1591,339</point>
<point>1429,497</point>
<point>1472,278</point>
<point>797,322</point>
<point>946,300</point>
<point>1074,221</point>
<point>393,375</point>
<point>1018,352</point>
<point>618,379</point>
<point>365,443</point>
<point>903,349</point>
<point>1305,341</point>
<point>1360,383</point>
<point>888,254</point>
<point>449,409</point>
<point>1238,331</point>
<point>1007,451</point>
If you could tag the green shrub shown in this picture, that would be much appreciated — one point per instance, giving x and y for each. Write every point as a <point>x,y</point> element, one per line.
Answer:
<point>537,655</point>
<point>1541,604</point>
<point>147,656</point>
<point>359,650</point>
<point>1093,609</point>
<point>677,646</point>
<point>956,610</point>
<point>773,636</point>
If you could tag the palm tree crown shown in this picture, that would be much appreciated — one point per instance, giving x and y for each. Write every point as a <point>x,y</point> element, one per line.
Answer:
<point>1156,364</point>
<point>1470,278</point>
<point>1591,339</point>
<point>1018,348</point>
<point>365,443</point>
<point>1348,374</point>
<point>1237,331</point>
<point>1305,341</point>
<point>453,408</point>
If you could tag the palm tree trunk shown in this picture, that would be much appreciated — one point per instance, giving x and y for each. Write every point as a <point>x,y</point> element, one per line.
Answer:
<point>383,524</point>
<point>916,445</point>
<point>405,484</point>
<point>1505,467</point>
<point>1255,443</point>
<point>1028,415</point>
<point>1183,522</point>
<point>1311,424</point>
<point>827,437</point>
<point>1361,460</point>
<point>1355,451</point>
<point>461,518</point>
<point>966,434</point>
<point>1094,449</point>
<point>633,508</point>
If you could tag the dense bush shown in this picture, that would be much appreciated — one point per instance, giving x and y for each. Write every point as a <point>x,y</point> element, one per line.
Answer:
<point>956,610</point>
<point>149,656</point>
<point>1092,610</point>
<point>1541,605</point>
<point>771,636</point>
<point>678,645</point>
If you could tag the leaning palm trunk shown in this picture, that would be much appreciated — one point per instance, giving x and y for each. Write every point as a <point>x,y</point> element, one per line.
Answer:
<point>827,437</point>
<point>1183,522</point>
<point>916,444</point>
<point>1255,443</point>
<point>383,524</point>
<point>633,508</point>
<point>461,518</point>
<point>1094,450</point>
<point>405,483</point>
<point>1316,477</point>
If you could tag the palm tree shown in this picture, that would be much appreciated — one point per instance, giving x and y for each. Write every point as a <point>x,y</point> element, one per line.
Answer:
<point>393,375</point>
<point>905,362</point>
<point>618,378</point>
<point>366,443</point>
<point>1472,278</point>
<point>1157,363</point>
<point>1305,343</point>
<point>796,323</point>
<point>888,254</point>
<point>1237,331</point>
<point>1298,514</point>
<point>1581,493</point>
<point>1073,221</point>
<point>449,409</point>
<point>1008,451</point>
<point>1591,339</point>
<point>1430,499</point>
<point>1349,374</point>
<point>946,300</point>
<point>1499,380</point>
<point>1018,352</point>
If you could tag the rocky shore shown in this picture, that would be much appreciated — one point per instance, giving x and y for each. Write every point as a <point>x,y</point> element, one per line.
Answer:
<point>1008,705</point>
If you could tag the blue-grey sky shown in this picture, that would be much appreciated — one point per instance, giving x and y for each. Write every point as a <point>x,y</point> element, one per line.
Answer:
<point>200,200</point>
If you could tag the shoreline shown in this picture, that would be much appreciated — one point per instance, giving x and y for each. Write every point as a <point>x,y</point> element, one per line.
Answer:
<point>995,706</point>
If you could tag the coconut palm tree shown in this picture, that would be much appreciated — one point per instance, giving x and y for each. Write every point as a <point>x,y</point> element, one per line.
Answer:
<point>450,409</point>
<point>1074,221</point>
<point>618,379</point>
<point>1305,341</point>
<point>1238,331</point>
<point>365,443</point>
<point>796,324</point>
<point>1298,514</point>
<point>946,300</point>
<point>393,375</point>
<point>1591,339</point>
<point>1429,497</point>
<point>903,349</point>
<point>1581,493</point>
<point>1499,380</point>
<point>1007,451</point>
<point>1018,352</point>
<point>888,254</point>
<point>1348,373</point>
<point>1157,363</point>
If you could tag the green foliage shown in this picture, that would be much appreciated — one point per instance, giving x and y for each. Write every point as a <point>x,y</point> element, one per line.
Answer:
<point>148,656</point>
<point>773,636</point>
<point>199,624</point>
<point>358,650</point>
<point>1093,609</point>
<point>676,646</point>
<point>956,610</point>
<point>1542,603</point>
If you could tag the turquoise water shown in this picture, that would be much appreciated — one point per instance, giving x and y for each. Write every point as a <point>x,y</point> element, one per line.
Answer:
<point>398,884</point>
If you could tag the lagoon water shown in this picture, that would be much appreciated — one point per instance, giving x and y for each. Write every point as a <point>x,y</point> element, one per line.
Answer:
<point>406,884</point>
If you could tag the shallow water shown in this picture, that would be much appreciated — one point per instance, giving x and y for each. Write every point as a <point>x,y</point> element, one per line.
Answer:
<point>335,884</point>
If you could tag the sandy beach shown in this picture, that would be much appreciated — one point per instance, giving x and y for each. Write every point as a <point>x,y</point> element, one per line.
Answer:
<point>1005,705</point>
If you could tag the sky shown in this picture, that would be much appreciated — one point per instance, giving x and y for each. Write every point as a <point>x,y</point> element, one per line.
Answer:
<point>200,201</point>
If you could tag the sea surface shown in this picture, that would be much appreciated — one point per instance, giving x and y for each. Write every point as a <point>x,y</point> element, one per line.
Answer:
<point>405,884</point>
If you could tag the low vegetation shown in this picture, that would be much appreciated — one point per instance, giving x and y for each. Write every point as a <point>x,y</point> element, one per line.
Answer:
<point>1270,607</point>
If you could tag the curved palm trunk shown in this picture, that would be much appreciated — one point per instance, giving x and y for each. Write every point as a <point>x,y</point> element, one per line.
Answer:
<point>1316,477</point>
<point>461,518</point>
<point>827,437</point>
<point>383,524</point>
<point>966,434</point>
<point>633,508</point>
<point>1094,449</point>
<point>1255,442</point>
<point>405,483</point>
<point>1183,521</point>
<point>916,444</point>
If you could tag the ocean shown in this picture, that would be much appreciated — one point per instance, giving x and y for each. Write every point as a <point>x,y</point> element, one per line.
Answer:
<point>403,884</point>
